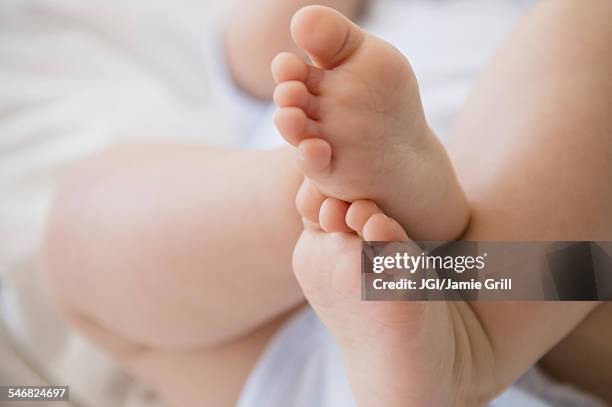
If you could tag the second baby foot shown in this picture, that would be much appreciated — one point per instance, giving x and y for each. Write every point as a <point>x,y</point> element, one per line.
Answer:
<point>356,119</point>
<point>397,353</point>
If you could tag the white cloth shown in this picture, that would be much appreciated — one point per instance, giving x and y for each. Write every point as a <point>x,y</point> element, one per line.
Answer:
<point>77,76</point>
<point>301,367</point>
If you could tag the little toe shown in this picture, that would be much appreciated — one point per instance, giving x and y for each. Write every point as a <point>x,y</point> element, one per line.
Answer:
<point>332,214</point>
<point>315,156</point>
<point>308,201</point>
<point>294,125</point>
<point>326,35</point>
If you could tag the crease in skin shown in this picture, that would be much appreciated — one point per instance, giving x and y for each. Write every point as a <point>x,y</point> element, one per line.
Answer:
<point>342,48</point>
<point>374,153</point>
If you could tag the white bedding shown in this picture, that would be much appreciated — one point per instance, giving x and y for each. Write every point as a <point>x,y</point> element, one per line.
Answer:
<point>77,76</point>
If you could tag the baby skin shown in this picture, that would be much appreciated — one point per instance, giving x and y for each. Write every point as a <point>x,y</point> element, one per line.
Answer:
<point>356,119</point>
<point>364,146</point>
<point>396,353</point>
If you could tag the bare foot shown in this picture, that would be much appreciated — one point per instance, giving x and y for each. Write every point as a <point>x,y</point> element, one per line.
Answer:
<point>411,354</point>
<point>357,121</point>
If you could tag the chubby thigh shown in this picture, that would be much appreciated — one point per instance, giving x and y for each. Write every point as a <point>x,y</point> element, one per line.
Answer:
<point>207,376</point>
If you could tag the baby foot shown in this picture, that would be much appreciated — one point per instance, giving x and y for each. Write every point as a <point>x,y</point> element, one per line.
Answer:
<point>396,353</point>
<point>358,124</point>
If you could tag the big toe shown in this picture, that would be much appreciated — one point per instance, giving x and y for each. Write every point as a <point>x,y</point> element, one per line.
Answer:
<point>327,36</point>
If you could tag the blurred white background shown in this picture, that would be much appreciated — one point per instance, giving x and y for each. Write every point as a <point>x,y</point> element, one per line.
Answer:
<point>76,76</point>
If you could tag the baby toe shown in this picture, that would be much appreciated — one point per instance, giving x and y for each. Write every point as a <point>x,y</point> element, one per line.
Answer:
<point>326,35</point>
<point>295,94</point>
<point>332,214</point>
<point>288,67</point>
<point>308,201</point>
<point>359,212</point>
<point>294,125</point>
<point>315,156</point>
<point>381,228</point>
